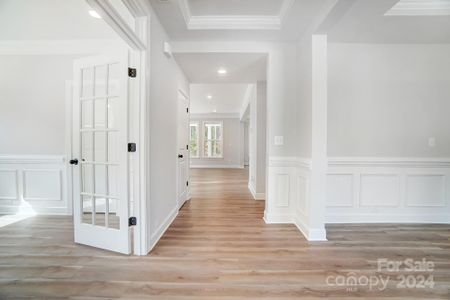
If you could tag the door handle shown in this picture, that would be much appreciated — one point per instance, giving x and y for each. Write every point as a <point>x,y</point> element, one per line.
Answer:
<point>180,155</point>
<point>73,161</point>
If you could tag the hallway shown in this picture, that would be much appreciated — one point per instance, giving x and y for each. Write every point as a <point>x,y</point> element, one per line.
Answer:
<point>217,248</point>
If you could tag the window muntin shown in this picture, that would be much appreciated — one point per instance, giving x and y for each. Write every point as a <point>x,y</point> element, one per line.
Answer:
<point>213,139</point>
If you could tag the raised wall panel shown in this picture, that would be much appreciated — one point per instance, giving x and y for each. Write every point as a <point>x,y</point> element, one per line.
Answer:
<point>340,190</point>
<point>34,183</point>
<point>302,184</point>
<point>282,190</point>
<point>8,185</point>
<point>42,185</point>
<point>425,190</point>
<point>379,190</point>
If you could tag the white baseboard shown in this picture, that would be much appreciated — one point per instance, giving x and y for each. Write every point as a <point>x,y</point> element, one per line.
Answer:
<point>161,229</point>
<point>216,166</point>
<point>389,218</point>
<point>256,196</point>
<point>277,218</point>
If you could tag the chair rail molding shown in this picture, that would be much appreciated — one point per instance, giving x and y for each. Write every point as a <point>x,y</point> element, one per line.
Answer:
<point>33,184</point>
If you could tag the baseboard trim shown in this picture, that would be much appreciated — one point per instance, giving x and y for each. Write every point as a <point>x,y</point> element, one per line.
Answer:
<point>277,218</point>
<point>256,196</point>
<point>311,234</point>
<point>162,229</point>
<point>397,218</point>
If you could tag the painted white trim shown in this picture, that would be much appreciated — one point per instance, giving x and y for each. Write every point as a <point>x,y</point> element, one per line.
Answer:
<point>32,159</point>
<point>234,22</point>
<point>311,234</point>
<point>58,47</point>
<point>388,218</point>
<point>393,190</point>
<point>192,166</point>
<point>256,196</point>
<point>420,8</point>
<point>403,162</point>
<point>289,161</point>
<point>279,218</point>
<point>156,236</point>
<point>107,11</point>
<point>45,201</point>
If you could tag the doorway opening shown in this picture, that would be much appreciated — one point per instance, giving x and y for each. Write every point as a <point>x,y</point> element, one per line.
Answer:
<point>226,130</point>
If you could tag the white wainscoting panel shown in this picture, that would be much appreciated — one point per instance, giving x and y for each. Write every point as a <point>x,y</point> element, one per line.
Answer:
<point>379,190</point>
<point>33,184</point>
<point>397,190</point>
<point>289,192</point>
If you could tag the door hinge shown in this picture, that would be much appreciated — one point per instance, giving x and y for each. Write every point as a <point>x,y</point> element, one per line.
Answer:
<point>132,221</point>
<point>131,147</point>
<point>187,183</point>
<point>187,147</point>
<point>187,110</point>
<point>132,72</point>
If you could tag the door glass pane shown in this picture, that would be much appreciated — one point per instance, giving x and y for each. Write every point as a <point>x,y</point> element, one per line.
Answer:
<point>100,146</point>
<point>100,208</point>
<point>100,179</point>
<point>86,216</point>
<point>113,112</point>
<point>87,88</point>
<point>113,79</point>
<point>87,178</point>
<point>113,217</point>
<point>100,80</point>
<point>86,114</point>
<point>86,146</point>
<point>112,147</point>
<point>100,113</point>
<point>112,181</point>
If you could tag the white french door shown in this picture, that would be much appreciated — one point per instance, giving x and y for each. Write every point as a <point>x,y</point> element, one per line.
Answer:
<point>100,162</point>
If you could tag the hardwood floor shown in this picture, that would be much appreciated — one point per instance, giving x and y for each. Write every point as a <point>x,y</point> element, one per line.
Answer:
<point>220,248</point>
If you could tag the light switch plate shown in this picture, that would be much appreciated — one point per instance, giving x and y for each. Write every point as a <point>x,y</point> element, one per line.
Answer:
<point>279,140</point>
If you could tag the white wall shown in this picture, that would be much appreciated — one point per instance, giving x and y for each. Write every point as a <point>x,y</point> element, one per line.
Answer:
<point>166,78</point>
<point>388,100</point>
<point>233,143</point>
<point>385,102</point>
<point>32,101</point>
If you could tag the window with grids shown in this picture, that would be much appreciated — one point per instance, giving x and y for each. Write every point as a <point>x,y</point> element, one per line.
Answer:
<point>213,140</point>
<point>193,139</point>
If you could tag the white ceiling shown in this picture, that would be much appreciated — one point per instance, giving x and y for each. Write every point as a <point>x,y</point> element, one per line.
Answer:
<point>253,20</point>
<point>226,98</point>
<point>50,20</point>
<point>241,67</point>
<point>364,21</point>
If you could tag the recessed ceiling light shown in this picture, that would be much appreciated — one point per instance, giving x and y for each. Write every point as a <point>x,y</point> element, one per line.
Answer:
<point>94,14</point>
<point>215,110</point>
<point>209,97</point>
<point>222,71</point>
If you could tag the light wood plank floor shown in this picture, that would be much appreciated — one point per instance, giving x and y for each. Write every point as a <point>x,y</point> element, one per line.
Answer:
<point>218,248</point>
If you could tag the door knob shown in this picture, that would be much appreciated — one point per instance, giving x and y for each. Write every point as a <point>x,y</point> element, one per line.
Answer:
<point>73,161</point>
<point>180,155</point>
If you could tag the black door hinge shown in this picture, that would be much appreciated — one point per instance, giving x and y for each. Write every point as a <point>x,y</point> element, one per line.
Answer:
<point>187,147</point>
<point>131,147</point>
<point>132,221</point>
<point>187,183</point>
<point>187,110</point>
<point>132,72</point>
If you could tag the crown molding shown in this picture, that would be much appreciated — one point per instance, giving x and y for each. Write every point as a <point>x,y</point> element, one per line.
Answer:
<point>234,22</point>
<point>420,8</point>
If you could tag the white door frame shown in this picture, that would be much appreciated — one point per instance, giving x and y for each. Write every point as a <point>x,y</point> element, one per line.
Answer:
<point>137,39</point>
